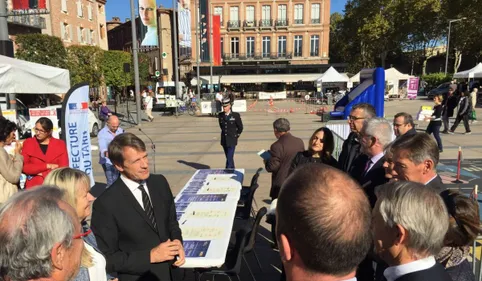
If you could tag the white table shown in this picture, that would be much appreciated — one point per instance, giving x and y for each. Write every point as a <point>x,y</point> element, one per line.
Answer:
<point>206,208</point>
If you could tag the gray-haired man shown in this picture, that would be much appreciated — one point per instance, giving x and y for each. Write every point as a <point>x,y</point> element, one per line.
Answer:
<point>409,227</point>
<point>40,236</point>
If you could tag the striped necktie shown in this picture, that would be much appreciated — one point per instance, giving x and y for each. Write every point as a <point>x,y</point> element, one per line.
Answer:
<point>148,206</point>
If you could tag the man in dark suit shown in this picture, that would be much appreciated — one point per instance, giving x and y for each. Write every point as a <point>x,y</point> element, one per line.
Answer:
<point>351,146</point>
<point>282,153</point>
<point>402,208</point>
<point>403,124</point>
<point>415,159</point>
<point>449,104</point>
<point>134,221</point>
<point>231,128</point>
<point>368,168</point>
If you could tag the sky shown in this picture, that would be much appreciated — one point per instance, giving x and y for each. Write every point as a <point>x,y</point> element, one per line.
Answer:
<point>121,8</point>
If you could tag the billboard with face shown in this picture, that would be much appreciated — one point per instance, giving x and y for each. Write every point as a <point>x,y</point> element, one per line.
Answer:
<point>148,14</point>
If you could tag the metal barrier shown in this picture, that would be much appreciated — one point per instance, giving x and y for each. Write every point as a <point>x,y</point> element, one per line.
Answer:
<point>289,106</point>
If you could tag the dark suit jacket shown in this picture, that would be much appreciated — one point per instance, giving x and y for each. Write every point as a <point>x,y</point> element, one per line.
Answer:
<point>411,132</point>
<point>231,128</point>
<point>370,180</point>
<point>435,273</point>
<point>126,236</point>
<point>349,153</point>
<point>437,184</point>
<point>282,153</point>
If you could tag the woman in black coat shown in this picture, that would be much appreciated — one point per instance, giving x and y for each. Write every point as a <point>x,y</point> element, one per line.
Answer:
<point>320,150</point>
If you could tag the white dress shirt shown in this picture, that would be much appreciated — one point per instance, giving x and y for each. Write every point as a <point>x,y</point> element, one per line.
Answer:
<point>394,272</point>
<point>134,188</point>
<point>374,160</point>
<point>97,271</point>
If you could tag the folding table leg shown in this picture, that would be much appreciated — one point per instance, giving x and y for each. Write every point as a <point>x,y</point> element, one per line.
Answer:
<point>249,268</point>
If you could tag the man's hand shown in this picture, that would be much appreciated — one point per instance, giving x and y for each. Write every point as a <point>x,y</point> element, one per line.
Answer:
<point>18,147</point>
<point>182,255</point>
<point>165,251</point>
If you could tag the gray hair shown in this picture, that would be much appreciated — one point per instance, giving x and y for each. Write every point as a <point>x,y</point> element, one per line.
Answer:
<point>420,147</point>
<point>418,209</point>
<point>379,128</point>
<point>367,108</point>
<point>281,125</point>
<point>31,222</point>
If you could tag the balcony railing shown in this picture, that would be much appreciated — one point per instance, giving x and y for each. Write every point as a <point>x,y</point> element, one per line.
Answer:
<point>298,54</point>
<point>315,21</point>
<point>29,20</point>
<point>249,24</point>
<point>234,24</point>
<point>265,24</point>
<point>298,21</point>
<point>257,56</point>
<point>282,23</point>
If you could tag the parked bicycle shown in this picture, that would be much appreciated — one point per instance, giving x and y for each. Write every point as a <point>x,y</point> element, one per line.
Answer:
<point>190,108</point>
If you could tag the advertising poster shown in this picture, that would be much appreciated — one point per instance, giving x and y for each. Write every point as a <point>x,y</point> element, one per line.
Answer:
<point>216,22</point>
<point>28,4</point>
<point>184,24</point>
<point>412,87</point>
<point>148,27</point>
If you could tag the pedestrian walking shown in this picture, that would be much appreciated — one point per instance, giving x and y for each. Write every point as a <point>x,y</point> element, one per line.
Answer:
<point>473,98</point>
<point>104,112</point>
<point>436,121</point>
<point>106,135</point>
<point>148,102</point>
<point>463,113</point>
<point>231,128</point>
<point>449,105</point>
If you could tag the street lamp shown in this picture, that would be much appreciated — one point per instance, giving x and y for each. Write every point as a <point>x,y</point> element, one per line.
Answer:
<point>448,44</point>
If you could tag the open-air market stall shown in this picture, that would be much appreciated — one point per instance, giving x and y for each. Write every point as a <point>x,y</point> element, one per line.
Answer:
<point>475,72</point>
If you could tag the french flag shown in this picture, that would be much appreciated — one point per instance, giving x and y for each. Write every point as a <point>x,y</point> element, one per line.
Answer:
<point>84,105</point>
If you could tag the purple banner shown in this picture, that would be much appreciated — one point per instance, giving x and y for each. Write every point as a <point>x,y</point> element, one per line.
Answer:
<point>412,87</point>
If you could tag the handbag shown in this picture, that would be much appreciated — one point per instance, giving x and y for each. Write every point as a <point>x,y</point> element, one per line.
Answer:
<point>473,115</point>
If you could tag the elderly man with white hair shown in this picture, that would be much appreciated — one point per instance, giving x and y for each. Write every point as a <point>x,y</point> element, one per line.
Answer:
<point>409,226</point>
<point>40,237</point>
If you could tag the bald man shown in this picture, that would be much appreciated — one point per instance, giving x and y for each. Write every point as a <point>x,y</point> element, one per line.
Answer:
<point>323,225</point>
<point>106,135</point>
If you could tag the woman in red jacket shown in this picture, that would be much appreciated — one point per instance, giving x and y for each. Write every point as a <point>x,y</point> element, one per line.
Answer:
<point>42,153</point>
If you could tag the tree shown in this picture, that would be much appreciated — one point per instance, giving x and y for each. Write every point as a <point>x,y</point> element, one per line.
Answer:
<point>337,44</point>
<point>113,69</point>
<point>144,72</point>
<point>84,63</point>
<point>41,48</point>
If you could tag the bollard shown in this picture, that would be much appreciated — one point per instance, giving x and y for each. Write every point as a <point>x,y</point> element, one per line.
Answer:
<point>459,160</point>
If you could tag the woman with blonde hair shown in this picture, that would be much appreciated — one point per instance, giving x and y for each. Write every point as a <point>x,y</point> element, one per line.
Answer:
<point>76,185</point>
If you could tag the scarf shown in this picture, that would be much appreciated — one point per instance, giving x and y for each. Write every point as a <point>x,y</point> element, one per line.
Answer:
<point>452,256</point>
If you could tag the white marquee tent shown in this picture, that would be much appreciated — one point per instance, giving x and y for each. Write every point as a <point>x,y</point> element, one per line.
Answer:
<point>332,76</point>
<point>23,77</point>
<point>391,74</point>
<point>475,72</point>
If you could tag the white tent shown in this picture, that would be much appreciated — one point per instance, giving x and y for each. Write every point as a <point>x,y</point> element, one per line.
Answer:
<point>391,74</point>
<point>332,76</point>
<point>475,72</point>
<point>23,77</point>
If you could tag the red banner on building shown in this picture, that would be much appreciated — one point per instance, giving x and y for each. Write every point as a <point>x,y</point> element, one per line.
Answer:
<point>29,4</point>
<point>216,40</point>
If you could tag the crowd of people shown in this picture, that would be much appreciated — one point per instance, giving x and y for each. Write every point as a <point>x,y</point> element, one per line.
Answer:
<point>381,212</point>
<point>378,212</point>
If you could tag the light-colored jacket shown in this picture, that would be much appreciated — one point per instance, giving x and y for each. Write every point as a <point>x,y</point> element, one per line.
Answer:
<point>10,171</point>
<point>473,97</point>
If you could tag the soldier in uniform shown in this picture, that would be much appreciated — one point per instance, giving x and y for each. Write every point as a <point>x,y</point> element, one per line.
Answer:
<point>231,128</point>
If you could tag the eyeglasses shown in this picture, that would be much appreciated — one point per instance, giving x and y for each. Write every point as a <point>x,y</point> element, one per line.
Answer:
<point>40,131</point>
<point>78,236</point>
<point>354,118</point>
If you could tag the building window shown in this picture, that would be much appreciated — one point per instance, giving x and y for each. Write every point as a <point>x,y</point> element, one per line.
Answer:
<point>89,12</point>
<point>250,14</point>
<point>299,14</point>
<point>65,31</point>
<point>234,47</point>
<point>298,46</point>
<point>266,12</point>
<point>102,31</point>
<point>250,47</point>
<point>219,11</point>
<point>315,13</point>
<point>92,37</point>
<point>80,34</point>
<point>282,46</point>
<point>282,12</point>
<point>266,46</point>
<point>233,13</point>
<point>80,8</point>
<point>63,5</point>
<point>315,45</point>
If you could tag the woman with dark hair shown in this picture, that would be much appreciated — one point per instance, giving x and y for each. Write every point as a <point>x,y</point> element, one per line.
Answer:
<point>464,227</point>
<point>10,165</point>
<point>320,150</point>
<point>43,153</point>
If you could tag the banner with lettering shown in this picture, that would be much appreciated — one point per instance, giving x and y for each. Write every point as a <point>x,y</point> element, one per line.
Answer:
<point>75,129</point>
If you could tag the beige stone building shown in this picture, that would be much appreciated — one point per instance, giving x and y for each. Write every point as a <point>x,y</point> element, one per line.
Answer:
<point>284,33</point>
<point>77,22</point>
